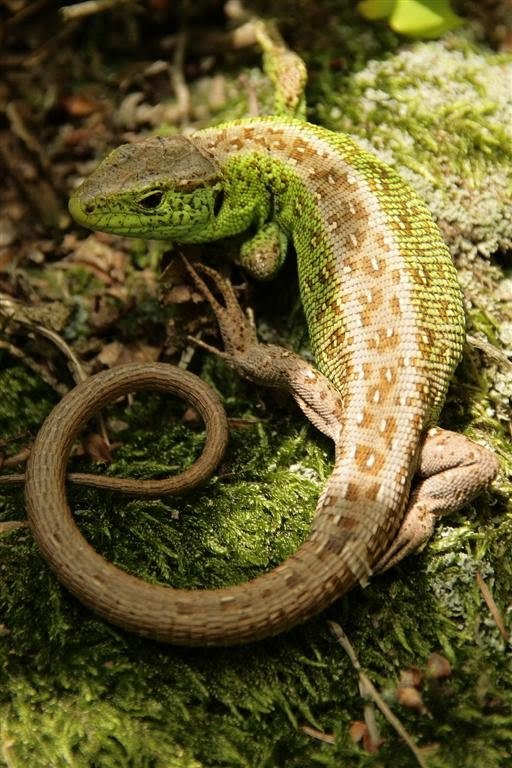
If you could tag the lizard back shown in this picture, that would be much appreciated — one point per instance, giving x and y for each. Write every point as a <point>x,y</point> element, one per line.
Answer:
<point>383,306</point>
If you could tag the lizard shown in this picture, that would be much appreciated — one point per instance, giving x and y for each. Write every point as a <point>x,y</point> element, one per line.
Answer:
<point>386,322</point>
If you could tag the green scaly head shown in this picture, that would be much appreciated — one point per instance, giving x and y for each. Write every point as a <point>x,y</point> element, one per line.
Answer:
<point>161,188</point>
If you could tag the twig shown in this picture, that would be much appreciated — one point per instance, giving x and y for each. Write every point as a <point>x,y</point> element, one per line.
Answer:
<point>368,690</point>
<point>18,313</point>
<point>88,8</point>
<point>20,129</point>
<point>37,56</point>
<point>12,461</point>
<point>18,458</point>
<point>178,80</point>
<point>188,353</point>
<point>489,350</point>
<point>61,389</point>
<point>328,738</point>
<point>24,13</point>
<point>15,311</point>
<point>493,608</point>
<point>14,156</point>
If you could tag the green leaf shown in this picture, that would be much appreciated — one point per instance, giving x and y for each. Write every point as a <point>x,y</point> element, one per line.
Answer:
<point>423,18</point>
<point>373,10</point>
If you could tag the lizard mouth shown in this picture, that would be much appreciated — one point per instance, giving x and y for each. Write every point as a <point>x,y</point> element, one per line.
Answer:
<point>79,211</point>
<point>92,215</point>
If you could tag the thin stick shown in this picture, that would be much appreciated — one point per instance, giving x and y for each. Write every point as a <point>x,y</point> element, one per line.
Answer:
<point>328,738</point>
<point>489,350</point>
<point>14,310</point>
<point>368,689</point>
<point>88,8</point>
<point>178,79</point>
<point>493,608</point>
<point>38,369</point>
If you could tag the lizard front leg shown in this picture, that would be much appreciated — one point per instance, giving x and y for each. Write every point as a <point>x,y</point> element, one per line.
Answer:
<point>452,471</point>
<point>269,364</point>
<point>263,254</point>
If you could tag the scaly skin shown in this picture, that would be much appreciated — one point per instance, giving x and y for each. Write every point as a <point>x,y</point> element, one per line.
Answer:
<point>385,316</point>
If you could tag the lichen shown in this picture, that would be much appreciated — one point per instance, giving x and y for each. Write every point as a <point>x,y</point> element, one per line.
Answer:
<point>441,113</point>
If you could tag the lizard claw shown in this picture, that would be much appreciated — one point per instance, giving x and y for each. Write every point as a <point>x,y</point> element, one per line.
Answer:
<point>200,284</point>
<point>209,347</point>
<point>224,287</point>
<point>237,332</point>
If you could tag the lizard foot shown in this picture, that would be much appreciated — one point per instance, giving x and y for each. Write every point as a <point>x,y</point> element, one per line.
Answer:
<point>238,333</point>
<point>268,364</point>
<point>452,471</point>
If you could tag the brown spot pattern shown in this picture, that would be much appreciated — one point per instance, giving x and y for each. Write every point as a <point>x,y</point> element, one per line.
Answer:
<point>368,460</point>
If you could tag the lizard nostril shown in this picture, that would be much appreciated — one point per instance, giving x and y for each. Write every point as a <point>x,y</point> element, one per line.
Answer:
<point>89,208</point>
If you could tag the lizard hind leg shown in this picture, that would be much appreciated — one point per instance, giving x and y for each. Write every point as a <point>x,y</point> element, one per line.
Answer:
<point>452,471</point>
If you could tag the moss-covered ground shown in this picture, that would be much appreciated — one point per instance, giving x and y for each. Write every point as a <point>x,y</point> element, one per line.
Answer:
<point>77,692</point>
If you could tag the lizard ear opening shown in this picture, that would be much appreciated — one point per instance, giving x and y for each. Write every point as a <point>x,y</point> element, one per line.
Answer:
<point>218,202</point>
<point>152,200</point>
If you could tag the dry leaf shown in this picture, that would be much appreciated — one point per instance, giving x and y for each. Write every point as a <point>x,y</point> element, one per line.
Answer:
<point>80,105</point>
<point>438,666</point>
<point>411,698</point>
<point>96,448</point>
<point>411,677</point>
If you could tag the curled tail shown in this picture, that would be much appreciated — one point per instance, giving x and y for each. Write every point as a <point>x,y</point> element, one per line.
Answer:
<point>327,565</point>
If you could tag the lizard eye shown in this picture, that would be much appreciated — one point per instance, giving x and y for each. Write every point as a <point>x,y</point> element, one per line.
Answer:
<point>152,200</point>
<point>217,204</point>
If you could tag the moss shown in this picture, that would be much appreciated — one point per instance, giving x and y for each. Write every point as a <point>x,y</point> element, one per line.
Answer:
<point>79,692</point>
<point>24,400</point>
<point>441,113</point>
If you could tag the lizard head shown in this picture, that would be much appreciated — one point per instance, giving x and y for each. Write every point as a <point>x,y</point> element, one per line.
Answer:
<point>160,188</point>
